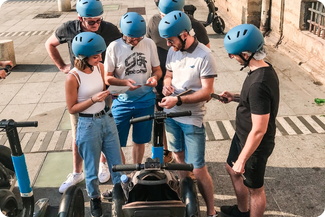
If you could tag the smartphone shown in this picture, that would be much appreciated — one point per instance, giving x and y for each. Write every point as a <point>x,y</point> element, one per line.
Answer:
<point>218,97</point>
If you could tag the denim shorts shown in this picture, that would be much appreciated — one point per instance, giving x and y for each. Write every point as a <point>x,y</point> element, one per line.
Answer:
<point>187,138</point>
<point>141,131</point>
<point>255,165</point>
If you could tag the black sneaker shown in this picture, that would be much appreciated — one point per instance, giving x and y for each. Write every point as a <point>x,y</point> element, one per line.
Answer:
<point>107,195</point>
<point>96,207</point>
<point>232,211</point>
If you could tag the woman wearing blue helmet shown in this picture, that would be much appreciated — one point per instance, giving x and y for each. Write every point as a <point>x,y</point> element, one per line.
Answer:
<point>256,113</point>
<point>96,130</point>
<point>133,61</point>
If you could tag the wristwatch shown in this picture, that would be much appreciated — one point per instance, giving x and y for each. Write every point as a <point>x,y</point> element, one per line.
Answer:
<point>179,101</point>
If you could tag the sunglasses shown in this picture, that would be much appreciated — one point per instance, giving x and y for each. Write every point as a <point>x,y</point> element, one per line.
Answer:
<point>93,22</point>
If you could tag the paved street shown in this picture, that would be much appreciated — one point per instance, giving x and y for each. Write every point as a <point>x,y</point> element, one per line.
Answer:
<point>295,176</point>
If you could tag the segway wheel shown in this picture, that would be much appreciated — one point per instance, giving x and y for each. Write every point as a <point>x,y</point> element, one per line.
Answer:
<point>118,200</point>
<point>72,203</point>
<point>5,157</point>
<point>218,25</point>
<point>8,203</point>
<point>189,196</point>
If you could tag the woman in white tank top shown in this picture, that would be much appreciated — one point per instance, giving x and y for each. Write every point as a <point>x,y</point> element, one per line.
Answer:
<point>96,131</point>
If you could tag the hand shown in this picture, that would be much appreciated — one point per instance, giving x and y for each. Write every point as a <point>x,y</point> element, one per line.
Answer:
<point>132,84</point>
<point>66,68</point>
<point>6,63</point>
<point>238,168</point>
<point>3,74</point>
<point>100,97</point>
<point>228,95</point>
<point>152,81</point>
<point>168,90</point>
<point>168,102</point>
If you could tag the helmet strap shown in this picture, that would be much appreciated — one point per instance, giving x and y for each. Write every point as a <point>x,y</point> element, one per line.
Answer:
<point>183,43</point>
<point>246,61</point>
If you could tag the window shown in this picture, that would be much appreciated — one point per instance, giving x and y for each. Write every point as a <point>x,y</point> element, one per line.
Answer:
<point>315,18</point>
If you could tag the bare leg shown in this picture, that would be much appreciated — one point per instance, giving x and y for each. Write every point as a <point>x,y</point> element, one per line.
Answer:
<point>258,202</point>
<point>102,158</point>
<point>77,160</point>
<point>123,156</point>
<point>241,190</point>
<point>137,152</point>
<point>206,188</point>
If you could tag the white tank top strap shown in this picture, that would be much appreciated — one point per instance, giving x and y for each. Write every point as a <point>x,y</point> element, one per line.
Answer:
<point>73,72</point>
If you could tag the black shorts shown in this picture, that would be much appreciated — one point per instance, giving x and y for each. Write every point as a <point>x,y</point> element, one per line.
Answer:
<point>255,165</point>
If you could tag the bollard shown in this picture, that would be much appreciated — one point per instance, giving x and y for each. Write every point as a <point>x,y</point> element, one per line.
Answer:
<point>64,5</point>
<point>7,51</point>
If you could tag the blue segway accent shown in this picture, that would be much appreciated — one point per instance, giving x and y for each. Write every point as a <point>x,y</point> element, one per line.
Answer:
<point>158,152</point>
<point>22,175</point>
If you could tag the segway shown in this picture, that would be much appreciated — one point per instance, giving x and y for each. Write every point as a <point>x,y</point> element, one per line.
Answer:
<point>13,166</point>
<point>152,189</point>
<point>218,24</point>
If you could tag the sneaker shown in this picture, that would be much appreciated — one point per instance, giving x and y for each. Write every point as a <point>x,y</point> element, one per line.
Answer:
<point>232,211</point>
<point>168,156</point>
<point>96,207</point>
<point>215,215</point>
<point>107,195</point>
<point>72,179</point>
<point>103,173</point>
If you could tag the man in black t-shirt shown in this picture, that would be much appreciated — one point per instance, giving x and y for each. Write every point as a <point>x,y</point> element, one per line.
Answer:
<point>258,106</point>
<point>89,20</point>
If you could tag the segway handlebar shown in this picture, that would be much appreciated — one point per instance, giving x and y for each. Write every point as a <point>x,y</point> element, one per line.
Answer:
<point>152,166</point>
<point>161,115</point>
<point>6,123</point>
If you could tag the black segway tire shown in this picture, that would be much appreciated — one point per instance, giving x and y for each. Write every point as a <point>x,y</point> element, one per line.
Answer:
<point>189,196</point>
<point>8,203</point>
<point>72,203</point>
<point>218,25</point>
<point>5,157</point>
<point>118,200</point>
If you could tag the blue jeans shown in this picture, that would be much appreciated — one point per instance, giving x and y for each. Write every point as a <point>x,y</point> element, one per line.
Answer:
<point>96,135</point>
<point>187,138</point>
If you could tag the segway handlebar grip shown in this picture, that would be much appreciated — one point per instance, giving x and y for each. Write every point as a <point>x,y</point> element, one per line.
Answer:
<point>175,166</point>
<point>10,122</point>
<point>127,167</point>
<point>143,118</point>
<point>179,114</point>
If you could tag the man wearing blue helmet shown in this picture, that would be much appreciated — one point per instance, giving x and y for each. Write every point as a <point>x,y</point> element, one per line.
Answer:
<point>190,66</point>
<point>89,20</point>
<point>165,7</point>
<point>256,113</point>
<point>86,92</point>
<point>133,61</point>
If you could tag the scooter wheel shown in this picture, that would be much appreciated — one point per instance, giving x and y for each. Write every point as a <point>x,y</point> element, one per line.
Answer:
<point>8,203</point>
<point>218,25</point>
<point>72,203</point>
<point>5,157</point>
<point>118,200</point>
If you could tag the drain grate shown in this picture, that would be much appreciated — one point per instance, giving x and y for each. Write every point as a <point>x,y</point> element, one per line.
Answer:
<point>139,10</point>
<point>48,15</point>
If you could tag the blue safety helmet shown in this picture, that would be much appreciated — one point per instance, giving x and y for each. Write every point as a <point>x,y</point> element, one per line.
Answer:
<point>133,25</point>
<point>244,37</point>
<point>87,44</point>
<point>167,6</point>
<point>89,8</point>
<point>173,24</point>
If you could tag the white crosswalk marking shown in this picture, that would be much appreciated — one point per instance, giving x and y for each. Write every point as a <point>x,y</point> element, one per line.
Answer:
<point>286,126</point>
<point>300,125</point>
<point>313,124</point>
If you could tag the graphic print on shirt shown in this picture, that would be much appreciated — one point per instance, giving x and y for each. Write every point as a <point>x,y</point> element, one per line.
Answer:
<point>136,64</point>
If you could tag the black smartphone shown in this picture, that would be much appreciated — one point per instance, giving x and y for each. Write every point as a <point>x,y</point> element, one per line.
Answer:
<point>218,97</point>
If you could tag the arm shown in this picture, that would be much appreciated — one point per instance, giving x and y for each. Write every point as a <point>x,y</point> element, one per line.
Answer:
<point>198,96</point>
<point>51,47</point>
<point>255,136</point>
<point>3,74</point>
<point>71,93</point>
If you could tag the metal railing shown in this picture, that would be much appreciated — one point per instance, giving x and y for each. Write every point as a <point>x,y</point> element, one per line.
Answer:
<point>317,19</point>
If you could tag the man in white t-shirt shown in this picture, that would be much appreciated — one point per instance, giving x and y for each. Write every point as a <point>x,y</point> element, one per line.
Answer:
<point>133,61</point>
<point>190,66</point>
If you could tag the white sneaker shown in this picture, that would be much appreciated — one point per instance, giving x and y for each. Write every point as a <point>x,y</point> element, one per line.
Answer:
<point>103,173</point>
<point>72,179</point>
